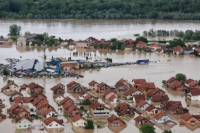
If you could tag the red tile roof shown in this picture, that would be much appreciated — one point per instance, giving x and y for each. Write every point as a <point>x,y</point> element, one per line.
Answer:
<point>8,85</point>
<point>46,112</point>
<point>131,91</point>
<point>51,119</point>
<point>141,44</point>
<point>155,45</point>
<point>188,81</point>
<point>195,92</point>
<point>177,48</point>
<point>16,93</point>
<point>56,87</point>
<point>113,118</point>
<point>151,85</point>
<point>159,98</point>
<point>77,117</point>
<point>23,117</point>
<point>92,83</point>
<point>138,98</point>
<point>171,79</point>
<point>22,100</point>
<point>141,103</point>
<point>193,83</point>
<point>96,105</point>
<point>140,81</point>
<point>66,99</point>
<point>160,115</point>
<point>151,107</point>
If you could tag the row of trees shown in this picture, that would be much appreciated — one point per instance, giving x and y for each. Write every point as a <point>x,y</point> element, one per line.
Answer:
<point>146,128</point>
<point>100,9</point>
<point>187,35</point>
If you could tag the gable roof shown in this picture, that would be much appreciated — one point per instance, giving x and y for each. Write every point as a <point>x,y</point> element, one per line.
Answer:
<point>141,44</point>
<point>151,85</point>
<point>77,117</point>
<point>48,111</point>
<point>131,91</point>
<point>159,98</point>
<point>22,100</point>
<point>177,48</point>
<point>16,93</point>
<point>65,100</point>
<point>97,104</point>
<point>23,117</point>
<point>92,83</point>
<point>56,87</point>
<point>51,119</point>
<point>195,92</point>
<point>139,81</point>
<point>151,107</point>
<point>154,92</point>
<point>8,85</point>
<point>139,97</point>
<point>188,81</point>
<point>159,115</point>
<point>142,103</point>
<point>171,79</point>
<point>113,118</point>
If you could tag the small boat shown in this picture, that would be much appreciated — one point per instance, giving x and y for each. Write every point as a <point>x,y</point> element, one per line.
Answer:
<point>142,61</point>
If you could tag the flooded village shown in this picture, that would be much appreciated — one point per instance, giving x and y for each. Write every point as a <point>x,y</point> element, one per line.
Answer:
<point>95,86</point>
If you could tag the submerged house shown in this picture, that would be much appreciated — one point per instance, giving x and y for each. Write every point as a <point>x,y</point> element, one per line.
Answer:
<point>190,119</point>
<point>23,122</point>
<point>10,87</point>
<point>53,123</point>
<point>98,109</point>
<point>125,109</point>
<point>122,86</point>
<point>115,121</point>
<point>78,121</point>
<point>175,107</point>
<point>93,85</point>
<point>58,89</point>
<point>74,87</point>
<point>193,94</point>
<point>141,120</point>
<point>162,117</point>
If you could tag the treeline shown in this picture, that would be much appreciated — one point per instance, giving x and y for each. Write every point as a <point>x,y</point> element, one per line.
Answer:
<point>101,9</point>
<point>186,35</point>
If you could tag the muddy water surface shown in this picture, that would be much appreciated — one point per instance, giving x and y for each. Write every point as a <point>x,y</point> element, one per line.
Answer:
<point>156,72</point>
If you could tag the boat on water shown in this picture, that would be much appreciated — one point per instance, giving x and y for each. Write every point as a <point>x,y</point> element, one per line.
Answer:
<point>142,61</point>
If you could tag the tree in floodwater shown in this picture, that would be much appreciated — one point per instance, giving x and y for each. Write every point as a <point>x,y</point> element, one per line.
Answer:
<point>14,30</point>
<point>181,77</point>
<point>167,131</point>
<point>141,38</point>
<point>147,128</point>
<point>89,124</point>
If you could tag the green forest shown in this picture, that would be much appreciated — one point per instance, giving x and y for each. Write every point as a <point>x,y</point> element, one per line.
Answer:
<point>101,9</point>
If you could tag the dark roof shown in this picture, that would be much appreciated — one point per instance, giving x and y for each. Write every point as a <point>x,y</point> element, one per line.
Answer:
<point>159,98</point>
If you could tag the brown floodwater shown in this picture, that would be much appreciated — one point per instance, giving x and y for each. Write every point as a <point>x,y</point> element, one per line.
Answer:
<point>155,72</point>
<point>82,29</point>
